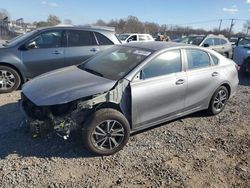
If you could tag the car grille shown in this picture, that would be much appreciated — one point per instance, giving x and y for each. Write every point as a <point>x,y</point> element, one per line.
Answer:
<point>33,111</point>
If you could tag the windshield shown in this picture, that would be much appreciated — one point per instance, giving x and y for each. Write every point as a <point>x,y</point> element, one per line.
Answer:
<point>123,37</point>
<point>244,41</point>
<point>20,38</point>
<point>195,40</point>
<point>114,63</point>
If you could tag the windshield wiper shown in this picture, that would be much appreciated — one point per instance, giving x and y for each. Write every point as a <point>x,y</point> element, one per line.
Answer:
<point>93,72</point>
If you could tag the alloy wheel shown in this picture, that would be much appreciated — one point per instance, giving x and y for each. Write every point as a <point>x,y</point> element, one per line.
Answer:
<point>7,80</point>
<point>220,100</point>
<point>108,135</point>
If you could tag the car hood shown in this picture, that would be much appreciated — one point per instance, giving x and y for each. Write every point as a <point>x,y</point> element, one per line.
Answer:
<point>65,85</point>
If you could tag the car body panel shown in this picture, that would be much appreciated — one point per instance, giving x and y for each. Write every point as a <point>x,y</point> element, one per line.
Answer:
<point>163,97</point>
<point>65,85</point>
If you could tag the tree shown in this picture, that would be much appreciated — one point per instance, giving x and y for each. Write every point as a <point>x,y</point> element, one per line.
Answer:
<point>42,24</point>
<point>4,13</point>
<point>100,22</point>
<point>53,20</point>
<point>133,25</point>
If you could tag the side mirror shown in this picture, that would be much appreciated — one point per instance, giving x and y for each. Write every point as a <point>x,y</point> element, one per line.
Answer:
<point>31,45</point>
<point>206,45</point>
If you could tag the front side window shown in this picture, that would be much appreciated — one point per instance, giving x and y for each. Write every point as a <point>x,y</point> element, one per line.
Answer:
<point>217,41</point>
<point>80,38</point>
<point>197,59</point>
<point>243,42</point>
<point>49,39</point>
<point>166,63</point>
<point>132,38</point>
<point>102,40</point>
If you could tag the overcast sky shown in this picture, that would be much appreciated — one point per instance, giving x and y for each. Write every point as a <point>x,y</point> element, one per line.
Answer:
<point>183,12</point>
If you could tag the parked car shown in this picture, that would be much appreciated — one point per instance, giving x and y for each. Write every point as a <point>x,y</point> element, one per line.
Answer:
<point>47,49</point>
<point>135,37</point>
<point>128,88</point>
<point>217,43</point>
<point>242,54</point>
<point>233,41</point>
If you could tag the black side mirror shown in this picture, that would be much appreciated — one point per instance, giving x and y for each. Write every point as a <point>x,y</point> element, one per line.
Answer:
<point>206,45</point>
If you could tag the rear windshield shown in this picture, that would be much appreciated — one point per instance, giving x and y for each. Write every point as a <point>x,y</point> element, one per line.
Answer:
<point>195,40</point>
<point>115,62</point>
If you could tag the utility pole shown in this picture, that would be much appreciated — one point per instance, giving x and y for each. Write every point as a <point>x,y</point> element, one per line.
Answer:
<point>220,25</point>
<point>231,28</point>
<point>247,31</point>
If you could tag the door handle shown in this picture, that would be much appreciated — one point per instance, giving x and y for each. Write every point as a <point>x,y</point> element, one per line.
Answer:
<point>215,74</point>
<point>179,82</point>
<point>94,50</point>
<point>57,52</point>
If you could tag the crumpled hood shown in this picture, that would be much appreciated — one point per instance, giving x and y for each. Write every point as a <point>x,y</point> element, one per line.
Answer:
<point>65,85</point>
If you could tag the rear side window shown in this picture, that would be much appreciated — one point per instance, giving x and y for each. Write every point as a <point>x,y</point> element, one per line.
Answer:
<point>80,38</point>
<point>215,59</point>
<point>142,37</point>
<point>166,63</point>
<point>102,40</point>
<point>209,41</point>
<point>223,41</point>
<point>197,59</point>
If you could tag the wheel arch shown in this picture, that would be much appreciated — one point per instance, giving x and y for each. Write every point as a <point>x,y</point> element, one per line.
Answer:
<point>23,79</point>
<point>117,107</point>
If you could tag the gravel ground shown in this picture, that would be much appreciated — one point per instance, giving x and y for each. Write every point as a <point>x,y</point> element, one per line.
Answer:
<point>194,151</point>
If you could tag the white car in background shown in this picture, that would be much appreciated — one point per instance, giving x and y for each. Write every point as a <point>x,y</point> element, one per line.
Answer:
<point>135,37</point>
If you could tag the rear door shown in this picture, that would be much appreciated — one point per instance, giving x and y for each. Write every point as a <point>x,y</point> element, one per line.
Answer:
<point>160,92</point>
<point>203,78</point>
<point>81,45</point>
<point>46,53</point>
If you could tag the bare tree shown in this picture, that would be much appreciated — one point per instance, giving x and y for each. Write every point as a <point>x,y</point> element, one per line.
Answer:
<point>100,23</point>
<point>53,20</point>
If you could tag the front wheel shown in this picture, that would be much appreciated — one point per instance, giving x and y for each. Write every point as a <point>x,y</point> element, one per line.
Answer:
<point>9,79</point>
<point>106,132</point>
<point>218,101</point>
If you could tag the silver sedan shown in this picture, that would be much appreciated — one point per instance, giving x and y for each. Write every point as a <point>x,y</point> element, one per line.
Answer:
<point>128,88</point>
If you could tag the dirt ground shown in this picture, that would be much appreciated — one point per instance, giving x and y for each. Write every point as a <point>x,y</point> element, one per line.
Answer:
<point>194,151</point>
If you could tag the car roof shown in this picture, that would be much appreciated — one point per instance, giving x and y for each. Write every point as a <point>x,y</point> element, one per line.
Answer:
<point>155,45</point>
<point>85,27</point>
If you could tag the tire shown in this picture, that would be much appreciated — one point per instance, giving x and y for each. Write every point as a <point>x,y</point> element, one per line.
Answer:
<point>102,142</point>
<point>217,103</point>
<point>9,79</point>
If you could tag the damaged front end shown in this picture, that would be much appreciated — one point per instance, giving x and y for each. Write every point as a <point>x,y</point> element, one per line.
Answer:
<point>64,118</point>
<point>61,118</point>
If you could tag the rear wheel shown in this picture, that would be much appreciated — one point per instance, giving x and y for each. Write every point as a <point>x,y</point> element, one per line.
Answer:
<point>218,101</point>
<point>106,132</point>
<point>9,79</point>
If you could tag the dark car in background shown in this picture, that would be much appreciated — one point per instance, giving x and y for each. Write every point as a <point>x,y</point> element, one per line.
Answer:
<point>242,54</point>
<point>218,43</point>
<point>50,48</point>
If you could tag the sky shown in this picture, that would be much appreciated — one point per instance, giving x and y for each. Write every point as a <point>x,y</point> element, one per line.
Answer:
<point>176,12</point>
